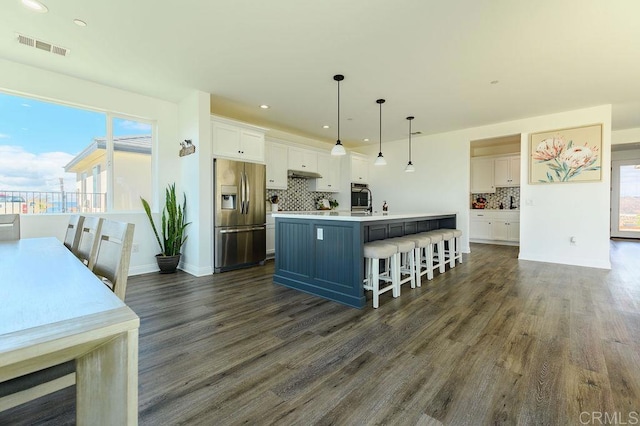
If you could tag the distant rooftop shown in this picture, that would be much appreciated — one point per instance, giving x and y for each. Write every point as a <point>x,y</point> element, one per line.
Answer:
<point>140,144</point>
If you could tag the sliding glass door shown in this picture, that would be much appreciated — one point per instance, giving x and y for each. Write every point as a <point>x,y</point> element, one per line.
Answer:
<point>625,199</point>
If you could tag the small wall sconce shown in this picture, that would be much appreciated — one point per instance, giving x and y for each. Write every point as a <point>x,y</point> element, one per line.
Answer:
<point>187,148</point>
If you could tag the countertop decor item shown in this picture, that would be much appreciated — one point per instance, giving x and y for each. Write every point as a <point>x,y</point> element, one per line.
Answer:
<point>173,230</point>
<point>380,160</point>
<point>566,155</point>
<point>338,148</point>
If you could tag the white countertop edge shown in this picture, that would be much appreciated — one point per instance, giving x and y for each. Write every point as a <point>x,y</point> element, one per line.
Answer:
<point>349,216</point>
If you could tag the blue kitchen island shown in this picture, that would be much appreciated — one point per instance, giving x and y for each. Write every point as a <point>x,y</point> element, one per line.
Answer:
<point>321,253</point>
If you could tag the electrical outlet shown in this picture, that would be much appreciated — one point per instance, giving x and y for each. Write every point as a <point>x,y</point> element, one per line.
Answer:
<point>319,234</point>
<point>573,241</point>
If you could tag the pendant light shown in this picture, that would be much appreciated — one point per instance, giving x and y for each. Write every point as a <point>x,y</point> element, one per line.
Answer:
<point>410,167</point>
<point>380,161</point>
<point>338,149</point>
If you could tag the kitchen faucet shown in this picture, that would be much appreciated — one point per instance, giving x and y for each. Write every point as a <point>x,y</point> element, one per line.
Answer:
<point>370,206</point>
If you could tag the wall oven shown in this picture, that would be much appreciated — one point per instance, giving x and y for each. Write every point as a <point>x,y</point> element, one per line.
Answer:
<point>360,197</point>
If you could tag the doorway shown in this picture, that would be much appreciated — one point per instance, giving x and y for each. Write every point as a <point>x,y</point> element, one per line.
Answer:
<point>625,198</point>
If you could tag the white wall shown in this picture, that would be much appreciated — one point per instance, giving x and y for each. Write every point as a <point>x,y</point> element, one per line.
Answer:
<point>549,215</point>
<point>28,81</point>
<point>625,136</point>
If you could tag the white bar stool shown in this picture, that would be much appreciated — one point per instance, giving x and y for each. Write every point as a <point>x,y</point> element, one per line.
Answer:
<point>447,245</point>
<point>406,260</point>
<point>453,250</point>
<point>374,252</point>
<point>437,251</point>
<point>423,256</point>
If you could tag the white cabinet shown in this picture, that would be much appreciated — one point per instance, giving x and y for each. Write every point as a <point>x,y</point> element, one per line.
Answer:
<point>482,171</point>
<point>235,141</point>
<point>359,169</point>
<point>494,226</point>
<point>271,236</point>
<point>507,171</point>
<point>276,161</point>
<point>303,159</point>
<point>329,169</point>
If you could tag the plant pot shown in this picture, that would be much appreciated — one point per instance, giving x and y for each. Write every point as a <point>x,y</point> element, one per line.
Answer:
<point>168,264</point>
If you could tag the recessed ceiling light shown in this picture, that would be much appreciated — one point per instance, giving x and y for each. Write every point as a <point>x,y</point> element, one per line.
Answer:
<point>366,139</point>
<point>80,22</point>
<point>35,5</point>
<point>264,106</point>
<point>494,82</point>
<point>325,126</point>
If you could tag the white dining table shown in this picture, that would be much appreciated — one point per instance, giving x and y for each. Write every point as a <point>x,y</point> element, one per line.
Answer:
<point>53,309</point>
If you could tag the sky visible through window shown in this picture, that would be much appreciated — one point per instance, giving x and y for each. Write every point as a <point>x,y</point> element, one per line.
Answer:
<point>37,139</point>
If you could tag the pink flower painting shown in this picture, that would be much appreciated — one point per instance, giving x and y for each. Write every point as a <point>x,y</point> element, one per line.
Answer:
<point>565,160</point>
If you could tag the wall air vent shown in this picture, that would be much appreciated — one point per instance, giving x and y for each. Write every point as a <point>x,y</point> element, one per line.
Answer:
<point>42,45</point>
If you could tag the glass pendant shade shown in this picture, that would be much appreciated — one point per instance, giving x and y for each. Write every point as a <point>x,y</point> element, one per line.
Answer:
<point>380,161</point>
<point>338,148</point>
<point>410,168</point>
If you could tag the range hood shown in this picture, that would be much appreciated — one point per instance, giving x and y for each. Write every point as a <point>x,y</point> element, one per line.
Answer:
<point>303,174</point>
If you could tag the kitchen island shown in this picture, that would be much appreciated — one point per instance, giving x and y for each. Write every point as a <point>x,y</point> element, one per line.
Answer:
<point>321,253</point>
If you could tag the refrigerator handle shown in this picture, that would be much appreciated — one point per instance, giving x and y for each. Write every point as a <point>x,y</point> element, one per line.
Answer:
<point>248,186</point>
<point>241,192</point>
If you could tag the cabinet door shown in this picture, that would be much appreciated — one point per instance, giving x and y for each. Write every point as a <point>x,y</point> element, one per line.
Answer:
<point>479,229</point>
<point>514,231</point>
<point>329,169</point>
<point>514,170</point>
<point>276,160</point>
<point>482,175</point>
<point>226,140</point>
<point>501,175</point>
<point>302,159</point>
<point>252,146</point>
<point>359,170</point>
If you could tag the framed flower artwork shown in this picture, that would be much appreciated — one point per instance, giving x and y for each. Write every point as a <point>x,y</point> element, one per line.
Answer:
<point>566,155</point>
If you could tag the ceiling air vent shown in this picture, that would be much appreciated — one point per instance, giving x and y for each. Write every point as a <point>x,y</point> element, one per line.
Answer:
<point>42,45</point>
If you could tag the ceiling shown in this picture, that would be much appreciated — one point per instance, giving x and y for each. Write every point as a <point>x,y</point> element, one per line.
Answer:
<point>434,60</point>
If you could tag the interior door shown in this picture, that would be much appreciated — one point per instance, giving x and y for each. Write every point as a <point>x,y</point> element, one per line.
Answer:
<point>625,198</point>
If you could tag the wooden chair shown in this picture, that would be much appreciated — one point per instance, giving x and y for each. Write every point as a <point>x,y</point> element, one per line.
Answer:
<point>88,244</point>
<point>74,230</point>
<point>113,254</point>
<point>111,264</point>
<point>9,227</point>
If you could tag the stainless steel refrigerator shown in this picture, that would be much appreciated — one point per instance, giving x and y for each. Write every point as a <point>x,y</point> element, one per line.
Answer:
<point>239,214</point>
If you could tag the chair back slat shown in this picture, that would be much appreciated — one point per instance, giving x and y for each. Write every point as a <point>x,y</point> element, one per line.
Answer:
<point>114,254</point>
<point>74,230</point>
<point>88,243</point>
<point>9,227</point>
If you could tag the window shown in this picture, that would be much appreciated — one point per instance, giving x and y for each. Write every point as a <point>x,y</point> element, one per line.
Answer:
<point>62,159</point>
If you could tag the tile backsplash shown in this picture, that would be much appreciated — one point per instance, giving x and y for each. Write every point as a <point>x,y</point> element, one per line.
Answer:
<point>502,195</point>
<point>297,196</point>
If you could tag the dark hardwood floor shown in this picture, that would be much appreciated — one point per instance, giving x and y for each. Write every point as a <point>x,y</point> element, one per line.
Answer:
<point>492,341</point>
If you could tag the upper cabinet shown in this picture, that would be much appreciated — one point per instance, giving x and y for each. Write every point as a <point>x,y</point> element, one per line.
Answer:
<point>507,171</point>
<point>487,174</point>
<point>303,159</point>
<point>482,170</point>
<point>359,169</point>
<point>329,169</point>
<point>237,141</point>
<point>276,161</point>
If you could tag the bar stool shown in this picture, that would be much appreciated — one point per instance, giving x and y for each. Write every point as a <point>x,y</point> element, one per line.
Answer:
<point>437,251</point>
<point>374,252</point>
<point>447,246</point>
<point>405,259</point>
<point>423,256</point>
<point>453,250</point>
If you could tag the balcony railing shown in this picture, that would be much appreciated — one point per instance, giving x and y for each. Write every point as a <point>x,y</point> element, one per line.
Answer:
<point>38,202</point>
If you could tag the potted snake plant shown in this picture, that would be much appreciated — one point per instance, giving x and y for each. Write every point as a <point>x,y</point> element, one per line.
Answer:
<point>173,230</point>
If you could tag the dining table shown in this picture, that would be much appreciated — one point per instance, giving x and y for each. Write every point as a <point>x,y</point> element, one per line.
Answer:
<point>53,310</point>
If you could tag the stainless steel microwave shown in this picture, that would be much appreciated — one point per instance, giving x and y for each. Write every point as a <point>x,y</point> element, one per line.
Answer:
<point>360,197</point>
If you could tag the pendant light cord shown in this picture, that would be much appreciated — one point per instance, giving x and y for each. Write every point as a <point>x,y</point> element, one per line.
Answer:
<point>409,141</point>
<point>338,110</point>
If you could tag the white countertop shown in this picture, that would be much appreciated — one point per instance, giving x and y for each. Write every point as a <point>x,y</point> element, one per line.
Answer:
<point>354,216</point>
